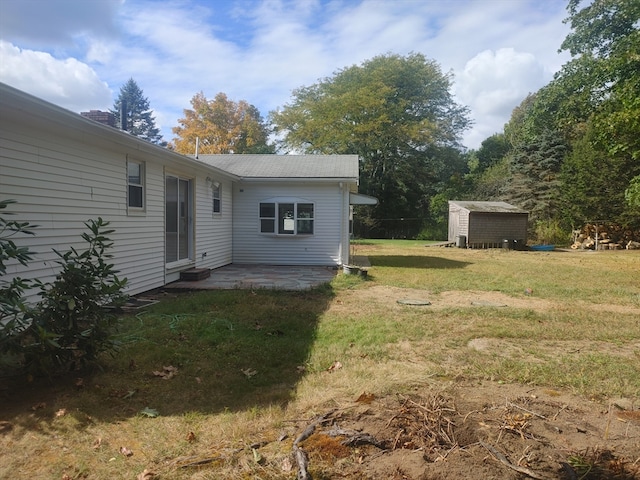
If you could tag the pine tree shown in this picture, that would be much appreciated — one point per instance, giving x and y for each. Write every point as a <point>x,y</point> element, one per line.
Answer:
<point>138,113</point>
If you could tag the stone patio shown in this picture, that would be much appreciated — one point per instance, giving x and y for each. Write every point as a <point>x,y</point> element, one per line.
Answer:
<point>260,277</point>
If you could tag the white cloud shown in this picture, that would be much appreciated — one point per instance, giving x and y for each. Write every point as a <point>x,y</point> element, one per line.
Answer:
<point>493,83</point>
<point>57,22</point>
<point>260,50</point>
<point>68,83</point>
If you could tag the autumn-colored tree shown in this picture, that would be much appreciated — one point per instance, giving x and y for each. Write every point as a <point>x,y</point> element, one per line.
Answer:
<point>222,126</point>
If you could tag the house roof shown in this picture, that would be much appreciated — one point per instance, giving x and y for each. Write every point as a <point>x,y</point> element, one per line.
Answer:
<point>20,107</point>
<point>488,207</point>
<point>334,167</point>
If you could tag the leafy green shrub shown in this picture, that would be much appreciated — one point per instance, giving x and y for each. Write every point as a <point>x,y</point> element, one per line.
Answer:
<point>70,326</point>
<point>13,309</point>
<point>551,232</point>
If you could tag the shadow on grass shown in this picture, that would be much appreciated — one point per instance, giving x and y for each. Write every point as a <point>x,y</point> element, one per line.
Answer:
<point>232,350</point>
<point>410,261</point>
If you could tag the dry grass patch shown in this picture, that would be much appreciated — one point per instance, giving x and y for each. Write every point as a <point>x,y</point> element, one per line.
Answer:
<point>535,355</point>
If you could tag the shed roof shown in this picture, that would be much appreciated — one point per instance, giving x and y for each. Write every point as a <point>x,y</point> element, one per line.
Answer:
<point>488,207</point>
<point>286,166</point>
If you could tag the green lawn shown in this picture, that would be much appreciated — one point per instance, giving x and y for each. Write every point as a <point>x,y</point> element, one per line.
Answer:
<point>249,360</point>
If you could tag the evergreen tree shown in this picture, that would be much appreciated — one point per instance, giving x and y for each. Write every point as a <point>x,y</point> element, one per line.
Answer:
<point>535,181</point>
<point>139,121</point>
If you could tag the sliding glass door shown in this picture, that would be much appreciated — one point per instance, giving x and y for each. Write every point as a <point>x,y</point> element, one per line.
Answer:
<point>178,221</point>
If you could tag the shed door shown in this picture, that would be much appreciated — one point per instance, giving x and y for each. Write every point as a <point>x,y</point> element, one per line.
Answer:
<point>179,219</point>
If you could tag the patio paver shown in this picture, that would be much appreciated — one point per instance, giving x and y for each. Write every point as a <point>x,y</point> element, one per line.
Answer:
<point>278,277</point>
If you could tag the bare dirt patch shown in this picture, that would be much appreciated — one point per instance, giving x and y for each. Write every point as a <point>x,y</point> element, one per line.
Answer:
<point>487,430</point>
<point>388,297</point>
<point>482,430</point>
<point>507,348</point>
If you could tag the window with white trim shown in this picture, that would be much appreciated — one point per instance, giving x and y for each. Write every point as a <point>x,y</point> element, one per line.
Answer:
<point>287,218</point>
<point>216,193</point>
<point>135,183</point>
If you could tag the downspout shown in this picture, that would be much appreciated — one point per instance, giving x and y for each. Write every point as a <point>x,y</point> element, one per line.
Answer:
<point>343,238</point>
<point>341,224</point>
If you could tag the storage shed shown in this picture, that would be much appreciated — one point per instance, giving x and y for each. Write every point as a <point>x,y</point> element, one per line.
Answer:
<point>487,224</point>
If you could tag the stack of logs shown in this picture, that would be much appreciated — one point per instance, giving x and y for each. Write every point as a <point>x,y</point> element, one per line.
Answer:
<point>608,236</point>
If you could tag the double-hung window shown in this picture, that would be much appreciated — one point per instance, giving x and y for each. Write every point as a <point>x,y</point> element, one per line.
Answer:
<point>217,197</point>
<point>135,183</point>
<point>287,218</point>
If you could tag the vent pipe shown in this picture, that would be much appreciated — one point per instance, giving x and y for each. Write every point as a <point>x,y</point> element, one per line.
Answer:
<point>197,146</point>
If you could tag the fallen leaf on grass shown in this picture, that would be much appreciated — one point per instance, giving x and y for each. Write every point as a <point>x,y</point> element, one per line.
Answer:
<point>149,412</point>
<point>259,459</point>
<point>301,369</point>
<point>61,413</point>
<point>166,373</point>
<point>126,452</point>
<point>286,466</point>
<point>335,366</point>
<point>191,437</point>
<point>146,475</point>
<point>129,394</point>
<point>366,397</point>
<point>249,372</point>
<point>5,426</point>
<point>97,443</point>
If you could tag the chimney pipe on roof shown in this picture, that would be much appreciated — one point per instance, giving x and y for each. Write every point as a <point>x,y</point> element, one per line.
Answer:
<point>123,115</point>
<point>197,146</point>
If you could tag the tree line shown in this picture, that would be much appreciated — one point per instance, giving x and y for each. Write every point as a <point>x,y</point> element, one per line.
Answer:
<point>569,154</point>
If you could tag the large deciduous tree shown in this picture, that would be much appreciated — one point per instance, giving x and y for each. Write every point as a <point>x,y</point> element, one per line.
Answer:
<point>593,103</point>
<point>397,113</point>
<point>601,82</point>
<point>138,113</point>
<point>222,126</point>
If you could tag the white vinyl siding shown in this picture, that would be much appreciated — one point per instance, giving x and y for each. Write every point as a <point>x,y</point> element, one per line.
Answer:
<point>61,178</point>
<point>250,246</point>
<point>62,187</point>
<point>213,232</point>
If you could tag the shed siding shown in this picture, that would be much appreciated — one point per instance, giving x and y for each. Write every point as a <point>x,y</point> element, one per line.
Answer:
<point>322,248</point>
<point>495,227</point>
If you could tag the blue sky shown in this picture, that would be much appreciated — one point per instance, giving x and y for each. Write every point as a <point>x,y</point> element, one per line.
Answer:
<point>77,53</point>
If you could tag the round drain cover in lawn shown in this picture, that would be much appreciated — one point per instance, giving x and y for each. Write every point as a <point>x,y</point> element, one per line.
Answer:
<point>409,301</point>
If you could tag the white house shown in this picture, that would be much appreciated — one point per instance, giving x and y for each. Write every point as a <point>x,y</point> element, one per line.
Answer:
<point>170,212</point>
<point>290,209</point>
